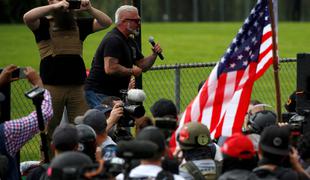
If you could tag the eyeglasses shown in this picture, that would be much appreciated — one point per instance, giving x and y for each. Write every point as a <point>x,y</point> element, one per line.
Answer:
<point>138,21</point>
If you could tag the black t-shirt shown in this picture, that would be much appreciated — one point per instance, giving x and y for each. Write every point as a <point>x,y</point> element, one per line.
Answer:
<point>63,69</point>
<point>116,45</point>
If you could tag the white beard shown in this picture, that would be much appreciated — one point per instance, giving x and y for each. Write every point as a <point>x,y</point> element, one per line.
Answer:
<point>132,31</point>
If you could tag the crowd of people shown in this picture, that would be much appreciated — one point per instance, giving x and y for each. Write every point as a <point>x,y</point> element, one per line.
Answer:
<point>98,142</point>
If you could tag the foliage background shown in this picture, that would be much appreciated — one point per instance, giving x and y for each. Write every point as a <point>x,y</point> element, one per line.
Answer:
<point>172,10</point>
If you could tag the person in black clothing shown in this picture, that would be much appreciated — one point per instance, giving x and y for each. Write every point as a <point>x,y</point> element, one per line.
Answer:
<point>274,149</point>
<point>303,148</point>
<point>118,58</point>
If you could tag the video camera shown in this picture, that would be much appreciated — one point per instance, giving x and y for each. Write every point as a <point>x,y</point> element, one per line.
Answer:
<point>295,120</point>
<point>133,107</point>
<point>296,123</point>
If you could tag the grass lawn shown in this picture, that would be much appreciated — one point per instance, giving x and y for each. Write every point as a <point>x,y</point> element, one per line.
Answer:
<point>182,43</point>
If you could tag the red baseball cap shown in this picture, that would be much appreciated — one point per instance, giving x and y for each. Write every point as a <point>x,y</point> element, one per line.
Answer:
<point>238,146</point>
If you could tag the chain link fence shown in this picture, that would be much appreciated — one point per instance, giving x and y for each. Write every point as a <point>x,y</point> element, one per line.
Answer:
<point>177,82</point>
<point>180,83</point>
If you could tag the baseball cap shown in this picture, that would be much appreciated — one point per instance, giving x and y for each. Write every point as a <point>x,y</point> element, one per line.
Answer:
<point>68,164</point>
<point>238,146</point>
<point>275,140</point>
<point>65,137</point>
<point>104,108</point>
<point>95,119</point>
<point>154,135</point>
<point>85,133</point>
<point>164,107</point>
<point>193,135</point>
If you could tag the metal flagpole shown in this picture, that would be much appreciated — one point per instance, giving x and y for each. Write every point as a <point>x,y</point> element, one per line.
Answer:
<point>275,61</point>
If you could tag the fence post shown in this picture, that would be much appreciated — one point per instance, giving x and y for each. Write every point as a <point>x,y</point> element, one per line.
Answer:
<point>5,106</point>
<point>177,89</point>
<point>137,4</point>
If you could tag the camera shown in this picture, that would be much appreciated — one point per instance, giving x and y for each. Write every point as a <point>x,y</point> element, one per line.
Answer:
<point>114,166</point>
<point>19,73</point>
<point>295,120</point>
<point>74,4</point>
<point>34,92</point>
<point>132,109</point>
<point>296,123</point>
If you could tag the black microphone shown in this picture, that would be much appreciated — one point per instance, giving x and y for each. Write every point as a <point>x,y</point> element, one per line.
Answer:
<point>151,40</point>
<point>136,149</point>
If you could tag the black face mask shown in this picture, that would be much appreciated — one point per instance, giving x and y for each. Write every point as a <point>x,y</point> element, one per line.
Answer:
<point>63,20</point>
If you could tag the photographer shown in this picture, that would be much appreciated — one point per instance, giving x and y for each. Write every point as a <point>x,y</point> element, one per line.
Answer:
<point>59,35</point>
<point>15,133</point>
<point>113,115</point>
<point>124,113</point>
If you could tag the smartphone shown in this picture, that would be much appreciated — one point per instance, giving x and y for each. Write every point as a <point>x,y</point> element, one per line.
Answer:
<point>74,4</point>
<point>34,92</point>
<point>19,73</point>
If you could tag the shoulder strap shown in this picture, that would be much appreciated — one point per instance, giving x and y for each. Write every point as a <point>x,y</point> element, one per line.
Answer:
<point>164,175</point>
<point>262,173</point>
<point>193,170</point>
<point>213,150</point>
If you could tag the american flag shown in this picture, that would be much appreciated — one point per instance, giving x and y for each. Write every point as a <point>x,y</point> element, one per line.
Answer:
<point>222,102</point>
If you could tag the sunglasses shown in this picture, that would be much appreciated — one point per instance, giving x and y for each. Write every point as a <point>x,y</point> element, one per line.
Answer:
<point>138,21</point>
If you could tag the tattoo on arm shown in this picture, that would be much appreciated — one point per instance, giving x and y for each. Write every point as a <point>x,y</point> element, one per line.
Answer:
<point>112,67</point>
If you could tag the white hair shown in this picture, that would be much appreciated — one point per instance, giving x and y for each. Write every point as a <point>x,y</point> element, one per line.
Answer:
<point>121,9</point>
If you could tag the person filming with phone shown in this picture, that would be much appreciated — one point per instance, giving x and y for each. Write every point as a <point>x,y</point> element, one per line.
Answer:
<point>59,35</point>
<point>14,134</point>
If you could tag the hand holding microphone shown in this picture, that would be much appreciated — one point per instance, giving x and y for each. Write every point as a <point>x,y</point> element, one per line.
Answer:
<point>158,52</point>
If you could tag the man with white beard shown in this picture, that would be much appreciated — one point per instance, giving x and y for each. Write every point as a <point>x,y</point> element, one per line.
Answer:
<point>118,58</point>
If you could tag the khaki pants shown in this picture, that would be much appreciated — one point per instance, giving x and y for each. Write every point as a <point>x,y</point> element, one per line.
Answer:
<point>69,96</point>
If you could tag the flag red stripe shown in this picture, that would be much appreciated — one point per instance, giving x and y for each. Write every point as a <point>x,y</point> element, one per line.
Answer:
<point>266,36</point>
<point>203,99</point>
<point>246,96</point>
<point>218,101</point>
<point>264,53</point>
<point>262,71</point>
<point>187,115</point>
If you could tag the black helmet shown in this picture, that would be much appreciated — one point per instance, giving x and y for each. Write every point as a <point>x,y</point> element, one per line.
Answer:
<point>260,120</point>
